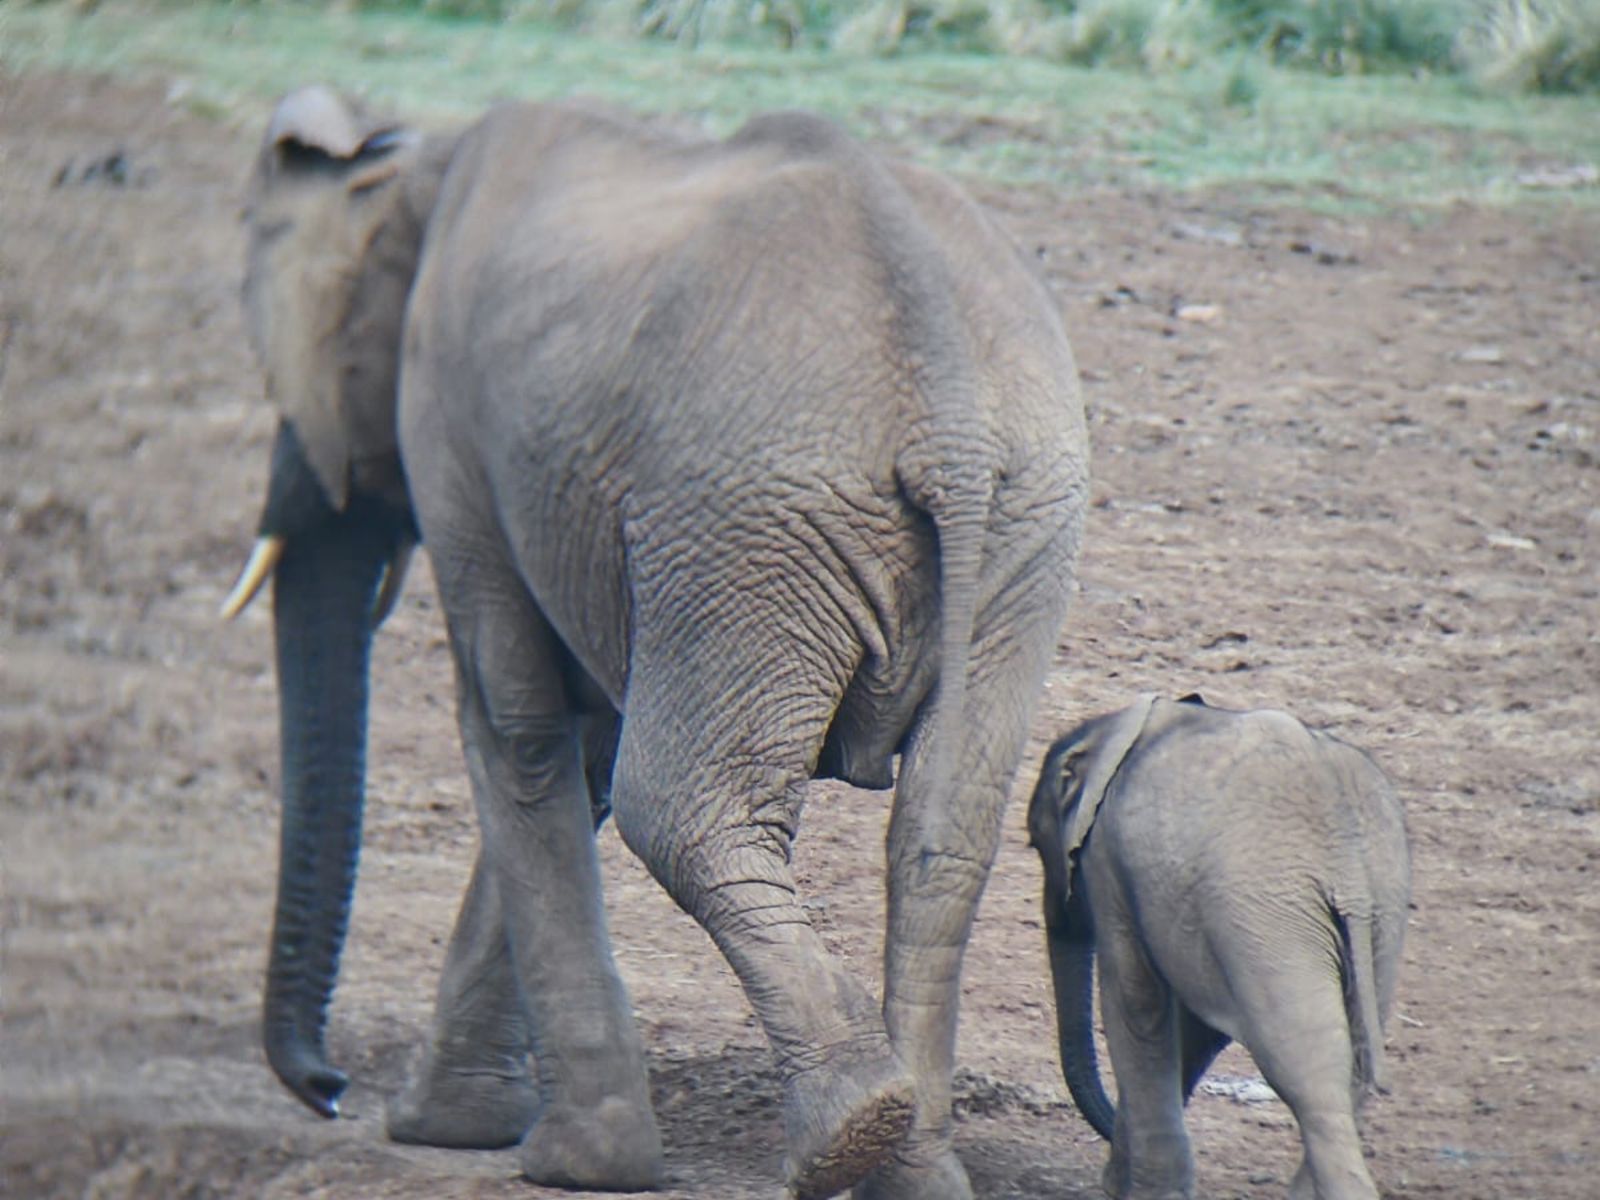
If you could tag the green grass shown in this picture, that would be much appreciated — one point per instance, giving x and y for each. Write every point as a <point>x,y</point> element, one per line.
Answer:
<point>1261,132</point>
<point>1537,45</point>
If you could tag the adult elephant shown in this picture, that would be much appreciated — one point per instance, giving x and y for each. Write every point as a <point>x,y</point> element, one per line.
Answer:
<point>770,445</point>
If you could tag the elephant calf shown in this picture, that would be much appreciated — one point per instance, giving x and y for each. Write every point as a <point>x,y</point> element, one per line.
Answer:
<point>1244,878</point>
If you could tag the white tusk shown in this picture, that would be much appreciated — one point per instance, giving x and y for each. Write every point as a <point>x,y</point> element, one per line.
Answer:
<point>394,579</point>
<point>263,559</point>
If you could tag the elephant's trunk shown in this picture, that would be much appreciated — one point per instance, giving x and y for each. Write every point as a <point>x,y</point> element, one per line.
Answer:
<point>1070,931</point>
<point>323,598</point>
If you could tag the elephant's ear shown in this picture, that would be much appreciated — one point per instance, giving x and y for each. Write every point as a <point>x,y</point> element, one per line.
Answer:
<point>312,215</point>
<point>318,118</point>
<point>1100,766</point>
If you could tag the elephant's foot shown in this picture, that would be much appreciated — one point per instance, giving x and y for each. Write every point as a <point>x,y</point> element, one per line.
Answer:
<point>464,1110</point>
<point>941,1177</point>
<point>612,1147</point>
<point>1121,1183</point>
<point>844,1121</point>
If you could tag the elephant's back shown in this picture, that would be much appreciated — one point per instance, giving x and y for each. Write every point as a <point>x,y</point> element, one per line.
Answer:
<point>1224,800</point>
<point>645,341</point>
<point>784,286</point>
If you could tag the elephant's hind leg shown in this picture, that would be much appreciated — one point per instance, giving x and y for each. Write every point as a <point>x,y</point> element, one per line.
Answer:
<point>594,1127</point>
<point>718,743</point>
<point>1299,1035</point>
<point>942,840</point>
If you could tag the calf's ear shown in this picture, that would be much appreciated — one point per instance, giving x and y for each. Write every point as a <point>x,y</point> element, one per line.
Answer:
<point>1112,745</point>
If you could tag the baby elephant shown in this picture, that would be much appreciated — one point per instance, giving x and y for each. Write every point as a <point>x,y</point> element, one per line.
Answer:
<point>1243,877</point>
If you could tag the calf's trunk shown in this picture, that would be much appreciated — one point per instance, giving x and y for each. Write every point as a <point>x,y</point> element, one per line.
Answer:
<point>1069,926</point>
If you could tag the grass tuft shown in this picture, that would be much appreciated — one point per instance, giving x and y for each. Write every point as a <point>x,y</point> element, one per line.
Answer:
<point>1536,46</point>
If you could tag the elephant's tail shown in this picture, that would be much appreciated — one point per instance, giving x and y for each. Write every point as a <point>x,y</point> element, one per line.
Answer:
<point>947,475</point>
<point>1359,971</point>
<point>960,514</point>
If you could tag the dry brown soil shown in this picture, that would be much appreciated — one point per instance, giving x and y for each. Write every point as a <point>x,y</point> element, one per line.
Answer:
<point>1362,486</point>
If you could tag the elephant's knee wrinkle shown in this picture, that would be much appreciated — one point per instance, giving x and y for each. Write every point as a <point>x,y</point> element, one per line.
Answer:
<point>814,1059</point>
<point>924,972</point>
<point>533,754</point>
<point>930,873</point>
<point>534,735</point>
<point>760,901</point>
<point>779,919</point>
<point>729,870</point>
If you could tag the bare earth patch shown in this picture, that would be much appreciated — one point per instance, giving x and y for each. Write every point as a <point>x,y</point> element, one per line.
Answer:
<point>1350,468</point>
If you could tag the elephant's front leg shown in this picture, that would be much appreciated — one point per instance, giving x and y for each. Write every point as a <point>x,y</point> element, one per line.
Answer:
<point>472,1088</point>
<point>594,1126</point>
<point>942,839</point>
<point>1150,1157</point>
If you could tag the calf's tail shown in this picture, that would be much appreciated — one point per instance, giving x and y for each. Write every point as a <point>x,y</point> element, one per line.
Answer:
<point>1359,973</point>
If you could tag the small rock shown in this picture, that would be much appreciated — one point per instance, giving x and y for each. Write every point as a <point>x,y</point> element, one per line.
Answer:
<point>1199,314</point>
<point>112,169</point>
<point>1485,355</point>
<point>1510,541</point>
<point>1569,175</point>
<point>1239,1089</point>
<point>1218,235</point>
<point>1328,256</point>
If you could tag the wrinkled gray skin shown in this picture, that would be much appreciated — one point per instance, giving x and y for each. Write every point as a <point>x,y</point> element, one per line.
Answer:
<point>739,464</point>
<point>1240,877</point>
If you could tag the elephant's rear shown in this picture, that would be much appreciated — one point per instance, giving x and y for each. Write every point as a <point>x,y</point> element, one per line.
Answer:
<point>1314,829</point>
<point>776,334</point>
<point>1341,870</point>
<point>1370,898</point>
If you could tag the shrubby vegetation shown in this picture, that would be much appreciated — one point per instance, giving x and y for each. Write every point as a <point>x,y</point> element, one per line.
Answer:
<point>1527,45</point>
<point>1548,46</point>
<point>1536,45</point>
<point>1246,105</point>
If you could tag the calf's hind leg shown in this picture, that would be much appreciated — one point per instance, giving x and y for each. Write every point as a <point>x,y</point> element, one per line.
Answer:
<point>1150,1157</point>
<point>1299,1035</point>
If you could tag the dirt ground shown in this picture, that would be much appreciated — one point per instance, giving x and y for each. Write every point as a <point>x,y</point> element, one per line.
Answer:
<point>1346,467</point>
